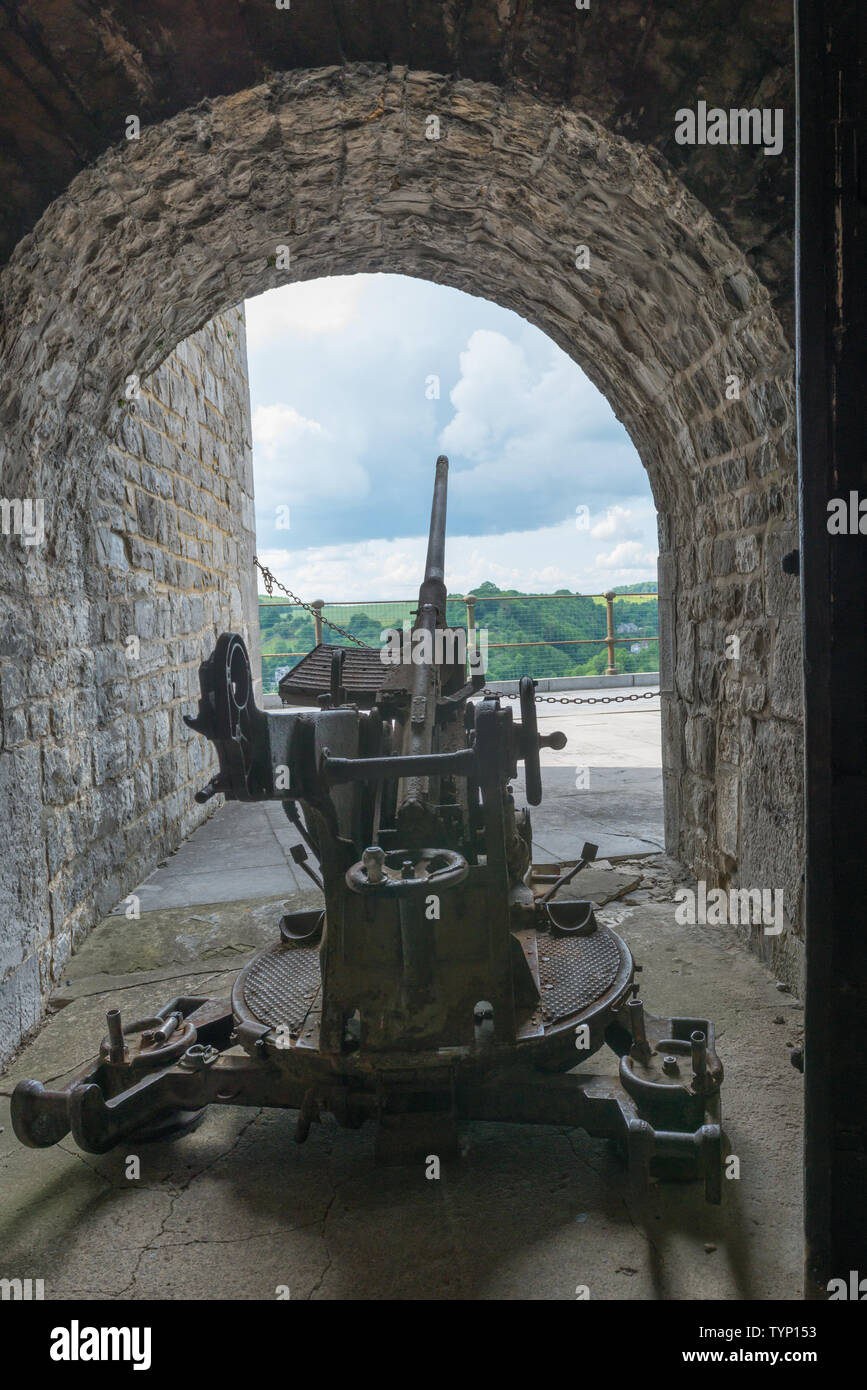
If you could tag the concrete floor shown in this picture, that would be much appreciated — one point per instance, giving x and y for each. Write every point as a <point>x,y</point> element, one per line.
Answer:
<point>238,1210</point>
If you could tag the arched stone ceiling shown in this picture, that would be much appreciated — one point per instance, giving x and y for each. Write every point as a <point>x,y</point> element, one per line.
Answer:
<point>72,70</point>
<point>164,232</point>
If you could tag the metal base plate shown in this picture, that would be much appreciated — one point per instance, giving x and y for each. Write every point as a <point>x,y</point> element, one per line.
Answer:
<point>282,986</point>
<point>576,972</point>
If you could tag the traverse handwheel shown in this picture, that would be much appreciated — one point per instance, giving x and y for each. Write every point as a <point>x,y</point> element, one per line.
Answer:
<point>403,873</point>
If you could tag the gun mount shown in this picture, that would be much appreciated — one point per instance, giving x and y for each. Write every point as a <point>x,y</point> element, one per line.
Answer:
<point>435,987</point>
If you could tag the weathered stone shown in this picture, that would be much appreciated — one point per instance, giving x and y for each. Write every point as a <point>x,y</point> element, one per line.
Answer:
<point>727,814</point>
<point>728,747</point>
<point>700,744</point>
<point>786,694</point>
<point>754,697</point>
<point>81,705</point>
<point>734,473</point>
<point>781,589</point>
<point>747,554</point>
<point>697,800</point>
<point>724,556</point>
<point>771,841</point>
<point>20,1000</point>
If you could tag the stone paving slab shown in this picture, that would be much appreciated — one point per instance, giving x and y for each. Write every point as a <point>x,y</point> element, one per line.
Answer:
<point>241,852</point>
<point>186,935</point>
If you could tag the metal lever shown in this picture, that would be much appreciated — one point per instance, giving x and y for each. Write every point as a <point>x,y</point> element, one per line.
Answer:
<point>299,857</point>
<point>588,854</point>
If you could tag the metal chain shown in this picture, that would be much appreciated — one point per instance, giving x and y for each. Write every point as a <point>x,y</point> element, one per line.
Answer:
<point>577,699</point>
<point>271,579</point>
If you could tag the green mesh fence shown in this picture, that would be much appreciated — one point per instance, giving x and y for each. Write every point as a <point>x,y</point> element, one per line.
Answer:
<point>528,634</point>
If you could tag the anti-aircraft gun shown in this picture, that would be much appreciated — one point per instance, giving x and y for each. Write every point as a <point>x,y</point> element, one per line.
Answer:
<point>437,985</point>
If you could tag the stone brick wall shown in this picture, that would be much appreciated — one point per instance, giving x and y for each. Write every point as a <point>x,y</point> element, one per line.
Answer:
<point>97,768</point>
<point>730,670</point>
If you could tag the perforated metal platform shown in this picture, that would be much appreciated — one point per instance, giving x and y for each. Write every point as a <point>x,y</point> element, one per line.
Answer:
<point>575,971</point>
<point>283,984</point>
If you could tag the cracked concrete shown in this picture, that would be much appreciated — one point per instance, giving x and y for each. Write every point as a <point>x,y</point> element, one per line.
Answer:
<point>236,1209</point>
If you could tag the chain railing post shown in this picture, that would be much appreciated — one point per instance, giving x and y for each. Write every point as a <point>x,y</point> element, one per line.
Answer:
<point>317,605</point>
<point>470,602</point>
<point>611,669</point>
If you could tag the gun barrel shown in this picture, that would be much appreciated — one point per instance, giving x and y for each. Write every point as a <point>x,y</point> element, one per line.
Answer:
<point>418,732</point>
<point>434,569</point>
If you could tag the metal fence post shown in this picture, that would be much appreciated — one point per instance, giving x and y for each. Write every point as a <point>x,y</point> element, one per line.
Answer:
<point>470,601</point>
<point>317,605</point>
<point>611,669</point>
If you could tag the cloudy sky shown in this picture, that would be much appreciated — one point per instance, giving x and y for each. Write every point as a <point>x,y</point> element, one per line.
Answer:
<point>358,382</point>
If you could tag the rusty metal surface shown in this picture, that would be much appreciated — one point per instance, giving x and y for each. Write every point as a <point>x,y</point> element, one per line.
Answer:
<point>362,676</point>
<point>279,987</point>
<point>576,971</point>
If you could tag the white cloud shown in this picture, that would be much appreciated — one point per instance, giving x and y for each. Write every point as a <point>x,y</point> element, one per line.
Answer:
<point>345,436</point>
<point>277,425</point>
<point>616,521</point>
<point>554,557</point>
<point>490,397</point>
<point>628,557</point>
<point>532,432</point>
<point>308,308</point>
<point>297,461</point>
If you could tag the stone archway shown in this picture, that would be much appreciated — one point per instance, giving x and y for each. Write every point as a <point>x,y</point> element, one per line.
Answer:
<point>160,235</point>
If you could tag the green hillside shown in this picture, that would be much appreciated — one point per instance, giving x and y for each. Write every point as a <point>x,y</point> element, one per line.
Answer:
<point>564,629</point>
